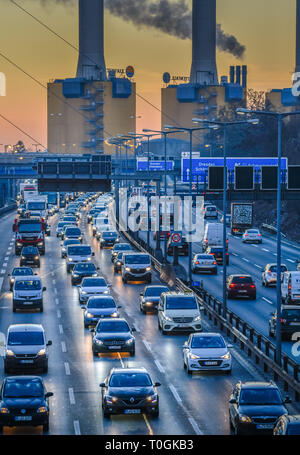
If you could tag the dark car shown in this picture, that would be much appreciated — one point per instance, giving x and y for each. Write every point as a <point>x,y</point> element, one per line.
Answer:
<point>217,252</point>
<point>118,262</point>
<point>24,402</point>
<point>241,286</point>
<point>99,307</point>
<point>287,425</point>
<point>113,335</point>
<point>19,271</point>
<point>129,391</point>
<point>290,321</point>
<point>30,256</point>
<point>92,213</point>
<point>72,233</point>
<point>108,239</point>
<point>118,248</point>
<point>149,298</point>
<point>26,348</point>
<point>65,244</point>
<point>183,248</point>
<point>83,270</point>
<point>254,407</point>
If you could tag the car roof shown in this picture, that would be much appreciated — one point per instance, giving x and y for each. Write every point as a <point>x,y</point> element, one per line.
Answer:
<point>28,277</point>
<point>129,370</point>
<point>113,319</point>
<point>23,377</point>
<point>244,275</point>
<point>156,286</point>
<point>258,385</point>
<point>26,328</point>
<point>102,297</point>
<point>178,294</point>
<point>207,334</point>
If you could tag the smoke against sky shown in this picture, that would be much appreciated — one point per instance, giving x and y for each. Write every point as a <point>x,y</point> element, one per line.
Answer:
<point>171,17</point>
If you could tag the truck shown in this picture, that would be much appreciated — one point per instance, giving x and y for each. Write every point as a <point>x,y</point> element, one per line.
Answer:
<point>213,236</point>
<point>37,205</point>
<point>241,217</point>
<point>28,190</point>
<point>53,201</point>
<point>29,232</point>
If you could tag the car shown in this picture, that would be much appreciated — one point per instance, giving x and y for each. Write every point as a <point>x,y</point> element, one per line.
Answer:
<point>83,270</point>
<point>211,211</point>
<point>217,253</point>
<point>70,219</point>
<point>269,274</point>
<point>255,406</point>
<point>287,425</point>
<point>204,263</point>
<point>252,236</point>
<point>113,335</point>
<point>26,348</point>
<point>108,239</point>
<point>60,227</point>
<point>228,219</point>
<point>78,254</point>
<point>72,233</point>
<point>290,321</point>
<point>129,391</point>
<point>290,287</point>
<point>30,256</point>
<point>24,402</point>
<point>118,262</point>
<point>182,249</point>
<point>177,312</point>
<point>149,298</point>
<point>19,271</point>
<point>92,286</point>
<point>136,267</point>
<point>206,351</point>
<point>28,293</point>
<point>65,244</point>
<point>240,286</point>
<point>99,307</point>
<point>118,248</point>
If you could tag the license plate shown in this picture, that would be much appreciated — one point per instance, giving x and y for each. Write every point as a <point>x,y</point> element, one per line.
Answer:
<point>294,323</point>
<point>211,363</point>
<point>27,303</point>
<point>297,296</point>
<point>132,411</point>
<point>114,347</point>
<point>265,426</point>
<point>242,292</point>
<point>26,361</point>
<point>181,325</point>
<point>23,418</point>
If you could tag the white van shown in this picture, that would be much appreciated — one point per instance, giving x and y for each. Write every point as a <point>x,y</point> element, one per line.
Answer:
<point>290,287</point>
<point>213,235</point>
<point>178,311</point>
<point>28,293</point>
<point>78,253</point>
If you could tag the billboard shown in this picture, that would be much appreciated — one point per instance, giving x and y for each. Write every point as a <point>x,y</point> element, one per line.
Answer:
<point>142,165</point>
<point>200,166</point>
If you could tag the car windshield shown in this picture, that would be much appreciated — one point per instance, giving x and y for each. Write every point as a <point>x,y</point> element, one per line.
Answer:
<point>273,268</point>
<point>207,342</point>
<point>73,231</point>
<point>29,227</point>
<point>119,257</point>
<point>28,285</point>
<point>181,303</point>
<point>113,326</point>
<point>130,380</point>
<point>138,259</point>
<point>93,282</point>
<point>242,279</point>
<point>25,339</point>
<point>30,250</point>
<point>122,247</point>
<point>293,313</point>
<point>79,251</point>
<point>210,208</point>
<point>17,388</point>
<point>101,303</point>
<point>263,396</point>
<point>61,224</point>
<point>84,268</point>
<point>23,272</point>
<point>36,206</point>
<point>252,231</point>
<point>155,292</point>
<point>108,234</point>
<point>207,257</point>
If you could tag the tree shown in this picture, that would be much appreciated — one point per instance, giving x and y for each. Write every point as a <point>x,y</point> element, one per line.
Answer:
<point>256,100</point>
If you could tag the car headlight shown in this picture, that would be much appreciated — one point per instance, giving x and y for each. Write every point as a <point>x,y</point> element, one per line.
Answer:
<point>70,260</point>
<point>19,244</point>
<point>245,419</point>
<point>148,303</point>
<point>40,244</point>
<point>95,274</point>
<point>12,280</point>
<point>4,411</point>
<point>80,238</point>
<point>106,292</point>
<point>89,259</point>
<point>152,398</point>
<point>10,353</point>
<point>89,315</point>
<point>42,410</point>
<point>111,400</point>
<point>148,269</point>
<point>42,352</point>
<point>194,356</point>
<point>98,341</point>
<point>23,257</point>
<point>130,341</point>
<point>127,269</point>
<point>75,275</point>
<point>114,315</point>
<point>83,292</point>
<point>118,263</point>
<point>226,356</point>
<point>36,257</point>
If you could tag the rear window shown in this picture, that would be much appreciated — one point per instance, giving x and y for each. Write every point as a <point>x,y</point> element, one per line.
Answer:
<point>72,231</point>
<point>210,208</point>
<point>101,303</point>
<point>207,257</point>
<point>242,279</point>
<point>122,247</point>
<point>273,268</point>
<point>291,313</point>
<point>181,303</point>
<point>155,292</point>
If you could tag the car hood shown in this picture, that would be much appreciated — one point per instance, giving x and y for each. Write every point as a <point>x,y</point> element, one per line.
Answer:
<point>209,353</point>
<point>26,349</point>
<point>124,392</point>
<point>182,313</point>
<point>94,290</point>
<point>113,335</point>
<point>26,403</point>
<point>151,299</point>
<point>84,257</point>
<point>28,293</point>
<point>86,274</point>
<point>265,410</point>
<point>101,311</point>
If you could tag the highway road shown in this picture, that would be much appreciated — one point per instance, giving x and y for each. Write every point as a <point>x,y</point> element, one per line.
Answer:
<point>196,404</point>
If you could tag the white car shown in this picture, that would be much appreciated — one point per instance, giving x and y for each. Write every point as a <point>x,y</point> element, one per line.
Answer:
<point>92,287</point>
<point>252,236</point>
<point>211,211</point>
<point>206,351</point>
<point>269,274</point>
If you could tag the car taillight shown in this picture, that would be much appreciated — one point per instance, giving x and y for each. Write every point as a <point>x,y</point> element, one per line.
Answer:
<point>197,262</point>
<point>214,263</point>
<point>290,287</point>
<point>246,235</point>
<point>252,286</point>
<point>269,272</point>
<point>232,285</point>
<point>259,235</point>
<point>283,321</point>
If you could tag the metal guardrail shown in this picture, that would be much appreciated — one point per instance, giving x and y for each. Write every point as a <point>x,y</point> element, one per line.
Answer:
<point>7,209</point>
<point>271,229</point>
<point>249,339</point>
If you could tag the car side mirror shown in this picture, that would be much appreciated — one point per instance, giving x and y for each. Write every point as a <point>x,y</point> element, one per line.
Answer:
<point>98,268</point>
<point>201,308</point>
<point>119,306</point>
<point>232,401</point>
<point>35,273</point>
<point>287,400</point>
<point>141,294</point>
<point>230,346</point>
<point>9,274</point>
<point>44,289</point>
<point>133,329</point>
<point>157,384</point>
<point>109,285</point>
<point>83,307</point>
<point>49,394</point>
<point>49,343</point>
<point>92,330</point>
<point>185,346</point>
<point>93,254</point>
<point>102,384</point>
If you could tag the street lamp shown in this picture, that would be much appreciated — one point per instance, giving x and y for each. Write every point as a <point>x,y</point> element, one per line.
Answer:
<point>279,116</point>
<point>225,125</point>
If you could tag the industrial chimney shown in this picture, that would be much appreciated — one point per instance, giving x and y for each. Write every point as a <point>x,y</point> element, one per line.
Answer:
<point>91,63</point>
<point>297,70</point>
<point>204,67</point>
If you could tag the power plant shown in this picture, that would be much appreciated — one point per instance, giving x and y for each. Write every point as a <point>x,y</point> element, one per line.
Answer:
<point>84,110</point>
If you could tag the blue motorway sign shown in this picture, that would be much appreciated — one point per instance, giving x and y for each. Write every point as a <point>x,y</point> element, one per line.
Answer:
<point>142,165</point>
<point>200,166</point>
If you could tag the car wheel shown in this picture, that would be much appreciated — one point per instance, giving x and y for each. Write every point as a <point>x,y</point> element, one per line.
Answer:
<point>188,370</point>
<point>45,368</point>
<point>142,310</point>
<point>124,280</point>
<point>155,414</point>
<point>231,425</point>
<point>106,414</point>
<point>14,309</point>
<point>266,284</point>
<point>184,365</point>
<point>271,334</point>
<point>132,353</point>
<point>46,427</point>
<point>228,372</point>
<point>150,279</point>
<point>95,354</point>
<point>6,370</point>
<point>38,265</point>
<point>41,308</point>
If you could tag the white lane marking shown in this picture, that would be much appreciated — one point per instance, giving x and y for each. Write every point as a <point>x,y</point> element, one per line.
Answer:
<point>1,283</point>
<point>56,301</point>
<point>58,314</point>
<point>137,327</point>
<point>290,260</point>
<point>55,291</point>
<point>258,266</point>
<point>148,345</point>
<point>52,273</point>
<point>264,249</point>
<point>63,346</point>
<point>121,360</point>
<point>6,258</point>
<point>255,246</point>
<point>61,329</point>
<point>274,254</point>
<point>9,248</point>
<point>245,259</point>
<point>77,428</point>
<point>234,254</point>
<point>67,368</point>
<point>159,366</point>
<point>175,393</point>
<point>3,271</point>
<point>195,426</point>
<point>54,281</point>
<point>267,300</point>
<point>71,396</point>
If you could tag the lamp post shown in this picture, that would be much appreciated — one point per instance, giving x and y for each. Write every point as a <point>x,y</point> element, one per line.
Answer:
<point>279,116</point>
<point>225,125</point>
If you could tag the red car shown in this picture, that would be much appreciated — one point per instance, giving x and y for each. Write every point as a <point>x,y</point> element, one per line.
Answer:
<point>241,286</point>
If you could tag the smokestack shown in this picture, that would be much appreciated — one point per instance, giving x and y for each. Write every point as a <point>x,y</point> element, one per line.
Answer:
<point>238,75</point>
<point>232,74</point>
<point>204,67</point>
<point>244,76</point>
<point>91,63</point>
<point>297,69</point>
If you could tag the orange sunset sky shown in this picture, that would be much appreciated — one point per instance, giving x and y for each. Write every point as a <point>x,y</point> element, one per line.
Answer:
<point>265,27</point>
